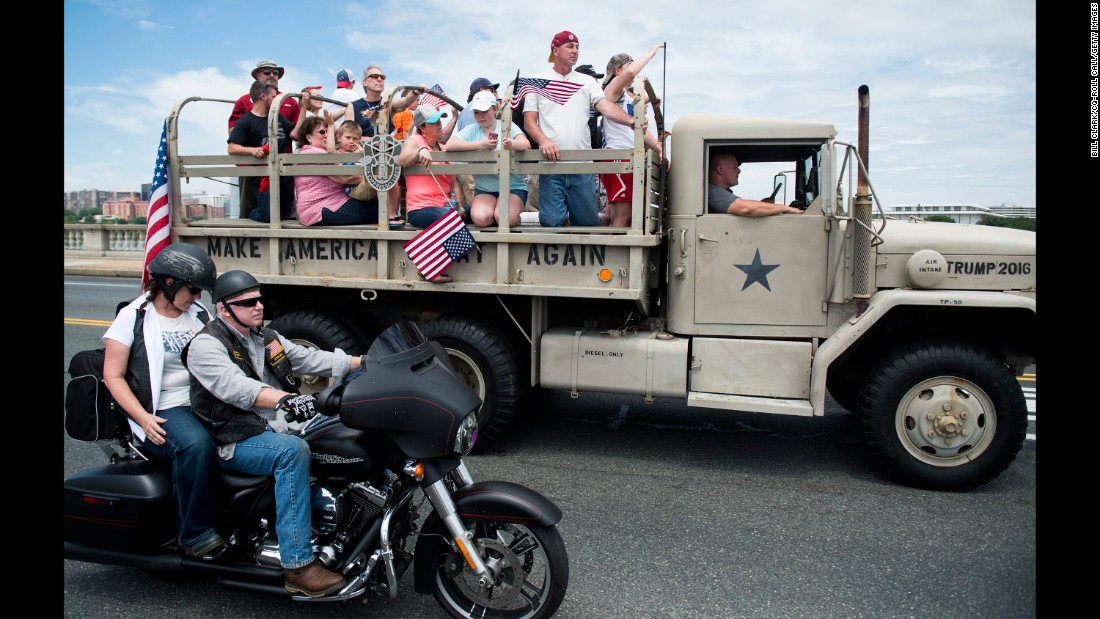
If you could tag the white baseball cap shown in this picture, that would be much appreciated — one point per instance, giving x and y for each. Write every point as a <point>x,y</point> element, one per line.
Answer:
<point>482,101</point>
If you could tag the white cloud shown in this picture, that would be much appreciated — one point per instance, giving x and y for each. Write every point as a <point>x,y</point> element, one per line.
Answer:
<point>952,83</point>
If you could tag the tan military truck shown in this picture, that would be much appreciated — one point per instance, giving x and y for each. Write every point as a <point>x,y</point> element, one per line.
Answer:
<point>918,328</point>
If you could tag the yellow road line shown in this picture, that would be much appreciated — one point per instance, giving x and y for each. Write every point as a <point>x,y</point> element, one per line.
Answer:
<point>87,322</point>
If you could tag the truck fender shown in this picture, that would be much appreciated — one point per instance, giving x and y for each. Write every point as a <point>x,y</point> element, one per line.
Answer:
<point>484,500</point>
<point>878,306</point>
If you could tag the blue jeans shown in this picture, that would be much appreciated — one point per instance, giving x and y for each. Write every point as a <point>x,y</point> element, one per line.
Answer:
<point>569,197</point>
<point>424,217</point>
<point>194,460</point>
<point>351,213</point>
<point>287,458</point>
<point>263,205</point>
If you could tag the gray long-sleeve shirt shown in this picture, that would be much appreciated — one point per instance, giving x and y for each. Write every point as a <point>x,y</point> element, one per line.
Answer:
<point>209,363</point>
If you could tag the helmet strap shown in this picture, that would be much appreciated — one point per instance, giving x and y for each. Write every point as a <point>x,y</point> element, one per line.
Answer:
<point>233,313</point>
<point>169,291</point>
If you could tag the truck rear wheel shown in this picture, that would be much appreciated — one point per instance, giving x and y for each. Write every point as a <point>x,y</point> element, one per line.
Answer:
<point>487,361</point>
<point>943,415</point>
<point>322,330</point>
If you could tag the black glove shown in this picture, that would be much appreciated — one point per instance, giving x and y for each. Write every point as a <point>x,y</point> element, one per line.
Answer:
<point>298,407</point>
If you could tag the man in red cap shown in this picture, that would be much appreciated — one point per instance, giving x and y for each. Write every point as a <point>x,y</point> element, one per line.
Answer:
<point>567,198</point>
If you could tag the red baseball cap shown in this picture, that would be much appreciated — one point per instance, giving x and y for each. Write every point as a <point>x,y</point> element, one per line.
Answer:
<point>561,38</point>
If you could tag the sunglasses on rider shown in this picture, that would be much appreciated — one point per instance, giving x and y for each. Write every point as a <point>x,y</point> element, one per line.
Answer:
<point>246,302</point>
<point>195,290</point>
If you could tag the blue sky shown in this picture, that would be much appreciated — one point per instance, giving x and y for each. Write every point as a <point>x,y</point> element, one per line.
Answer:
<point>952,84</point>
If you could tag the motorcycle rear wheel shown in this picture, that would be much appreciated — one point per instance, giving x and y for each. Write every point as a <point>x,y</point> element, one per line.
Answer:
<point>531,570</point>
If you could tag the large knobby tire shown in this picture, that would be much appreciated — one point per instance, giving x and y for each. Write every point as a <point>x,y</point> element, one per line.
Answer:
<point>321,330</point>
<point>530,569</point>
<point>943,415</point>
<point>487,361</point>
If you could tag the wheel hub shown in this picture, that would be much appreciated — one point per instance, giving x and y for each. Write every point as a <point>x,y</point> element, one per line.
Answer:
<point>507,574</point>
<point>950,423</point>
<point>945,419</point>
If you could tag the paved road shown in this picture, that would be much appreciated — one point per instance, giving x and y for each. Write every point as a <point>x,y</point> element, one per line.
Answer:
<point>676,512</point>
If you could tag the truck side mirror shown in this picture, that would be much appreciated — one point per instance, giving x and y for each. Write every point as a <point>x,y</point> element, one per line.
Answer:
<point>779,184</point>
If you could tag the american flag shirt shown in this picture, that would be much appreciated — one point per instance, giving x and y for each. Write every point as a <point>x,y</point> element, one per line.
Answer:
<point>566,125</point>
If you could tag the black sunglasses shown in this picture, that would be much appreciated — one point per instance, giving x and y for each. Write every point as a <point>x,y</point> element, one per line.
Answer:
<point>195,290</point>
<point>246,302</point>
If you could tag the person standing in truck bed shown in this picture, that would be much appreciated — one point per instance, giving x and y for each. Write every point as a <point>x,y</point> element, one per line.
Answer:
<point>265,71</point>
<point>566,198</point>
<point>249,137</point>
<point>621,71</point>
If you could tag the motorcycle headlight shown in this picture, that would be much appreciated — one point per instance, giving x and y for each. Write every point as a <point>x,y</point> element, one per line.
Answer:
<point>467,434</point>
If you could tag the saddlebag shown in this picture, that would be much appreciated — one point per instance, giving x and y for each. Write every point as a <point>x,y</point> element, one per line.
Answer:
<point>126,506</point>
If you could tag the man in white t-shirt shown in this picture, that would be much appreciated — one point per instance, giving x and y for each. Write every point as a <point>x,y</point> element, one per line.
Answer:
<point>567,198</point>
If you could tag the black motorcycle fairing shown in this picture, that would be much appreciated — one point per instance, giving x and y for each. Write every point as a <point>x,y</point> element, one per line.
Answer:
<point>413,398</point>
<point>484,500</point>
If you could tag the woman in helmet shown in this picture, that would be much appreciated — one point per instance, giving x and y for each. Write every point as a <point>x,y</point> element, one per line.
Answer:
<point>143,371</point>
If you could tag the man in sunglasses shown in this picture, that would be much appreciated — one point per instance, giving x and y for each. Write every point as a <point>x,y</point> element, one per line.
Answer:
<point>270,72</point>
<point>366,109</point>
<point>244,391</point>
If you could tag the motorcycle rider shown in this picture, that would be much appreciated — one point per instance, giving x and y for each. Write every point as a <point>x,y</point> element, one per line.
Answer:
<point>242,388</point>
<point>143,371</point>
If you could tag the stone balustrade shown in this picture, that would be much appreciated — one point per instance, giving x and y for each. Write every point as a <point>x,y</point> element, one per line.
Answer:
<point>111,241</point>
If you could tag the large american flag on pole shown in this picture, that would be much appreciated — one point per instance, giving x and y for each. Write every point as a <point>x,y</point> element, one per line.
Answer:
<point>434,249</point>
<point>557,91</point>
<point>429,99</point>
<point>158,227</point>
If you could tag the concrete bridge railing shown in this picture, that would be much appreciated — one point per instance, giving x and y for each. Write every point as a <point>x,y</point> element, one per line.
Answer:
<point>105,240</point>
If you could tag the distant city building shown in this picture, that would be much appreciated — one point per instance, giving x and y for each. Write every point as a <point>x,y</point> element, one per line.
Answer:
<point>133,204</point>
<point>1009,209</point>
<point>961,213</point>
<point>128,208</point>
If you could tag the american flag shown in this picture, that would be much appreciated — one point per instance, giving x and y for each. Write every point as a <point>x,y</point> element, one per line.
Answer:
<point>158,227</point>
<point>274,347</point>
<point>557,91</point>
<point>434,249</point>
<point>429,99</point>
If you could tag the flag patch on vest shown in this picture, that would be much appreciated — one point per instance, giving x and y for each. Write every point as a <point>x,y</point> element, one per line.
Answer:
<point>275,351</point>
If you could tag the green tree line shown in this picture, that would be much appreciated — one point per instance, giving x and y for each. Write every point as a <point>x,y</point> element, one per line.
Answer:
<point>88,215</point>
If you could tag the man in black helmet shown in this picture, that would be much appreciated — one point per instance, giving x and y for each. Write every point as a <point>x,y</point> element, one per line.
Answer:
<point>143,371</point>
<point>244,391</point>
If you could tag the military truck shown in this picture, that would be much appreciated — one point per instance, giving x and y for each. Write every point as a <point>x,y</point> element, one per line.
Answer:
<point>918,328</point>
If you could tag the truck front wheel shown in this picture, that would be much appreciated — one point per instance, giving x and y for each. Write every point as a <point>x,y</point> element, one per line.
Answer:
<point>943,415</point>
<point>487,361</point>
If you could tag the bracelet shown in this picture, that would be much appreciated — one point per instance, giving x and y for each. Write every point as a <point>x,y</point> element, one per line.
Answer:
<point>423,148</point>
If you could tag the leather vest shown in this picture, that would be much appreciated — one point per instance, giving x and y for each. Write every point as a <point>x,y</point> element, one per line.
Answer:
<point>137,367</point>
<point>226,422</point>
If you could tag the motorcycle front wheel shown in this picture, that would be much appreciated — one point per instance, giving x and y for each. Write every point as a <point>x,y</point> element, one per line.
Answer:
<point>530,574</point>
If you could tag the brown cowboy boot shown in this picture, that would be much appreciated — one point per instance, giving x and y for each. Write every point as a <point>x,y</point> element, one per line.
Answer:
<point>313,580</point>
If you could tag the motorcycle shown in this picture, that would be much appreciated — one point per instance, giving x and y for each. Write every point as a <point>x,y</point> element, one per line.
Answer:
<point>389,490</point>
